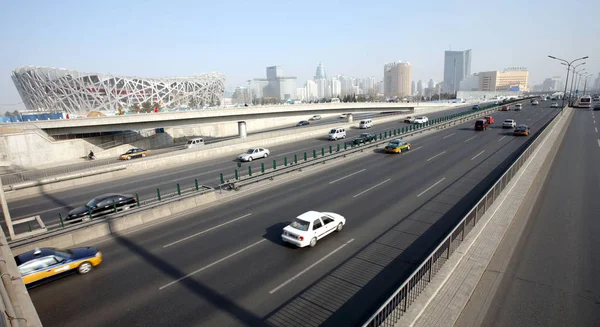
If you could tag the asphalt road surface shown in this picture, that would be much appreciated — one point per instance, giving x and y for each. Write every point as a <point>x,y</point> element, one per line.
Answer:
<point>553,279</point>
<point>49,205</point>
<point>226,265</point>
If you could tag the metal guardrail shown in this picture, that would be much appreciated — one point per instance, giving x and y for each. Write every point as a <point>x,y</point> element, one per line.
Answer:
<point>397,304</point>
<point>342,151</point>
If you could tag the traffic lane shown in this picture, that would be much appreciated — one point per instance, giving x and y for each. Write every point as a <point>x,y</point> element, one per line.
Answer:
<point>562,228</point>
<point>200,246</point>
<point>49,205</point>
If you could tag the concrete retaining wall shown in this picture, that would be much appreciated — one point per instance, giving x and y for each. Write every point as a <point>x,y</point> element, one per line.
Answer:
<point>72,236</point>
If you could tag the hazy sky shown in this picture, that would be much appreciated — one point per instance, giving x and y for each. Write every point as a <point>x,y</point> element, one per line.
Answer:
<point>240,38</point>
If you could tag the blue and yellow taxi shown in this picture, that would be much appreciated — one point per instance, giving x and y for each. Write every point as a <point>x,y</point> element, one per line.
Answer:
<point>522,130</point>
<point>45,264</point>
<point>397,146</point>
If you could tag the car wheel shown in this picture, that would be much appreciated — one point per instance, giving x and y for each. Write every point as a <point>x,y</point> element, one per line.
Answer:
<point>313,242</point>
<point>408,147</point>
<point>128,158</point>
<point>249,159</point>
<point>266,155</point>
<point>143,155</point>
<point>84,268</point>
<point>340,227</point>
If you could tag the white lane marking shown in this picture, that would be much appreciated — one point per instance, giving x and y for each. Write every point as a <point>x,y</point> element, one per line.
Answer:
<point>477,155</point>
<point>448,135</point>
<point>502,138</point>
<point>596,128</point>
<point>339,179</point>
<point>309,267</point>
<point>432,186</point>
<point>210,265</point>
<point>470,138</point>
<point>437,155</point>
<point>206,230</point>
<point>599,143</point>
<point>412,150</point>
<point>372,187</point>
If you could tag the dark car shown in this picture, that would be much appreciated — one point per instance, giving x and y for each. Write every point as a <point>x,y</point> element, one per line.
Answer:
<point>363,138</point>
<point>476,107</point>
<point>102,205</point>
<point>302,123</point>
<point>481,125</point>
<point>44,264</point>
<point>597,106</point>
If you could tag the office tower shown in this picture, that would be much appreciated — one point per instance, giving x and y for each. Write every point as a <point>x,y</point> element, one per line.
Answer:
<point>311,90</point>
<point>397,77</point>
<point>511,79</point>
<point>413,88</point>
<point>336,87</point>
<point>320,72</point>
<point>457,65</point>
<point>431,83</point>
<point>420,87</point>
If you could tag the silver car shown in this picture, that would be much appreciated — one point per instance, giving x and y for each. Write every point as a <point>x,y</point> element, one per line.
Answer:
<point>254,153</point>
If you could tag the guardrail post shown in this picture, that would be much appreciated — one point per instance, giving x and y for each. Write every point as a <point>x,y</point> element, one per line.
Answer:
<point>338,147</point>
<point>285,161</point>
<point>304,156</point>
<point>385,135</point>
<point>250,171</point>
<point>330,150</point>
<point>274,164</point>
<point>114,206</point>
<point>137,200</point>
<point>380,137</point>
<point>236,174</point>
<point>314,154</point>
<point>345,145</point>
<point>29,225</point>
<point>196,183</point>
<point>90,213</point>
<point>62,224</point>
<point>262,167</point>
<point>178,189</point>
<point>402,130</point>
<point>157,194</point>
<point>295,159</point>
<point>322,152</point>
<point>222,180</point>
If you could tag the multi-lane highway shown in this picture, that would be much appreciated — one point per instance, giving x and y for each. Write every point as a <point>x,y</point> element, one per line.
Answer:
<point>49,205</point>
<point>552,280</point>
<point>226,266</point>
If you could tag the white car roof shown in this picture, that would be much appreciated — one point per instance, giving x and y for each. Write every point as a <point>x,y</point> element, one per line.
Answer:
<point>310,216</point>
<point>509,120</point>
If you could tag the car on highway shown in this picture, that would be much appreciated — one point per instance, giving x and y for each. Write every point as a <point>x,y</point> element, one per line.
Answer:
<point>535,102</point>
<point>505,108</point>
<point>554,105</point>
<point>46,264</point>
<point>312,226</point>
<point>195,143</point>
<point>518,107</point>
<point>344,115</point>
<point>364,138</point>
<point>596,98</point>
<point>254,153</point>
<point>409,119</point>
<point>597,106</point>
<point>481,125</point>
<point>521,130</point>
<point>489,119</point>
<point>476,107</point>
<point>102,205</point>
<point>509,123</point>
<point>396,146</point>
<point>134,153</point>
<point>420,120</point>
<point>337,133</point>
<point>303,123</point>
<point>315,117</point>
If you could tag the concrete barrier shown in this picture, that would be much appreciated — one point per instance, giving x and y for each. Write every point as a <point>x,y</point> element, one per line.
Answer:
<point>72,236</point>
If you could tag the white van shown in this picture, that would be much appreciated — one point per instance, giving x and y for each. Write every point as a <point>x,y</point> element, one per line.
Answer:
<point>337,133</point>
<point>366,123</point>
<point>194,143</point>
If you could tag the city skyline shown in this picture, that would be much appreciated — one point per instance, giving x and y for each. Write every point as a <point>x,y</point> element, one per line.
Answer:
<point>177,43</point>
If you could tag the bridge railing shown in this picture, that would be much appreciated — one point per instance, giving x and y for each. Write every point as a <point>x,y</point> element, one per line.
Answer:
<point>398,303</point>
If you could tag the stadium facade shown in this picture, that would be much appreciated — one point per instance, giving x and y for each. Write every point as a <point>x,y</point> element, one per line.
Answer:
<point>71,91</point>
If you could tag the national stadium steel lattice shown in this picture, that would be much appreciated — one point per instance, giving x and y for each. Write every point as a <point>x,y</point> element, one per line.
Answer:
<point>54,89</point>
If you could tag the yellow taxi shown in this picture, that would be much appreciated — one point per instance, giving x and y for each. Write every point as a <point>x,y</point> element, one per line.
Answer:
<point>505,108</point>
<point>134,153</point>
<point>44,264</point>
<point>522,130</point>
<point>397,146</point>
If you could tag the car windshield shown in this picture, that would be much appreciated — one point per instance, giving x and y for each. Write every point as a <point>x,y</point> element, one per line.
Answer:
<point>189,142</point>
<point>300,224</point>
<point>332,131</point>
<point>364,135</point>
<point>250,151</point>
<point>129,151</point>
<point>92,203</point>
<point>508,121</point>
<point>395,143</point>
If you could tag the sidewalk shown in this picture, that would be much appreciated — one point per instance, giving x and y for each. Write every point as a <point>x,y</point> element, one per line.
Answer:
<point>443,300</point>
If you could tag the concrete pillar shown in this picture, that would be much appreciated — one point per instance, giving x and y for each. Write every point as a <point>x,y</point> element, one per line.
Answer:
<point>350,118</point>
<point>242,129</point>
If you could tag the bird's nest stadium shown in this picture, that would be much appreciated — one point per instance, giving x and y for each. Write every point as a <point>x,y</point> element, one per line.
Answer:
<point>70,91</point>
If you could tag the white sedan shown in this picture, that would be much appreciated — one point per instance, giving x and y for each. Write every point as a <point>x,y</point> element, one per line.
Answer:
<point>509,123</point>
<point>554,105</point>
<point>254,153</point>
<point>420,120</point>
<point>312,226</point>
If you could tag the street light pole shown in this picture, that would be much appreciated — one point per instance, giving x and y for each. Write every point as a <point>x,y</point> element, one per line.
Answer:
<point>567,79</point>
<point>585,85</point>
<point>578,74</point>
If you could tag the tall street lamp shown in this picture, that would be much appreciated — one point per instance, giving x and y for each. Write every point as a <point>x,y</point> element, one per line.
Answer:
<point>567,79</point>
<point>587,77</point>
<point>578,74</point>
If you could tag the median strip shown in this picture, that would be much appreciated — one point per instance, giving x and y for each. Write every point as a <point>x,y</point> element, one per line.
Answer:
<point>432,186</point>
<point>372,187</point>
<point>206,230</point>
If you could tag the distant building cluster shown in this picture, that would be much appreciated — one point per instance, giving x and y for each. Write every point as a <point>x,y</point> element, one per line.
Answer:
<point>511,79</point>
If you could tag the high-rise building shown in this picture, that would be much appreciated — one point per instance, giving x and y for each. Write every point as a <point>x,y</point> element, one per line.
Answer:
<point>301,94</point>
<point>511,79</point>
<point>397,77</point>
<point>322,88</point>
<point>311,90</point>
<point>420,87</point>
<point>552,84</point>
<point>336,87</point>
<point>469,83</point>
<point>457,65</point>
<point>275,85</point>
<point>320,72</point>
<point>597,84</point>
<point>380,87</point>
<point>431,83</point>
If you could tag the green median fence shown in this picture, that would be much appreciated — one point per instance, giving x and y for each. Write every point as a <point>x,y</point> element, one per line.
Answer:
<point>314,154</point>
<point>295,159</point>
<point>62,224</point>
<point>305,156</point>
<point>330,149</point>
<point>322,152</point>
<point>221,178</point>
<point>178,189</point>
<point>196,184</point>
<point>285,161</point>
<point>137,200</point>
<point>250,171</point>
<point>338,147</point>
<point>157,194</point>
<point>274,164</point>
<point>262,167</point>
<point>236,175</point>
